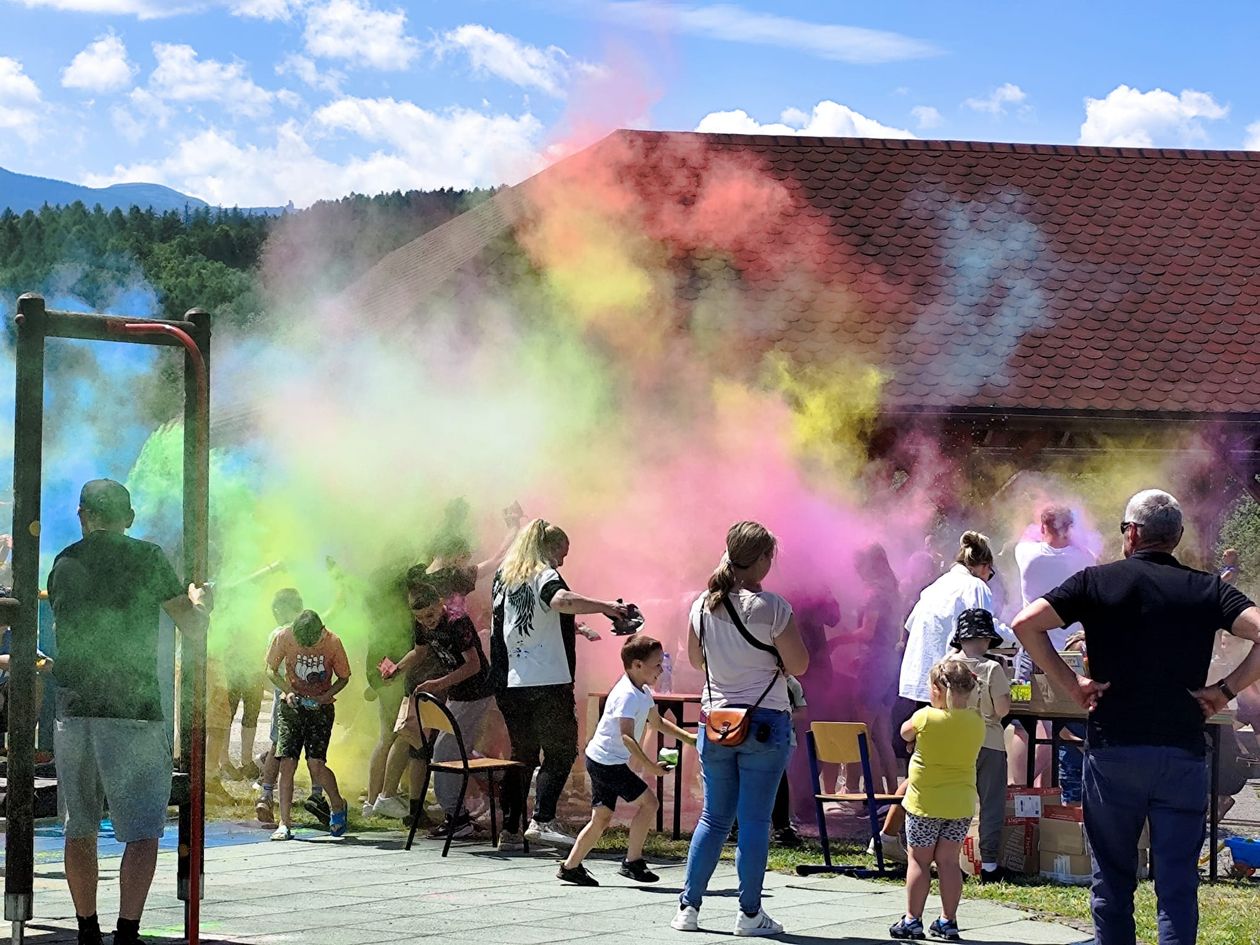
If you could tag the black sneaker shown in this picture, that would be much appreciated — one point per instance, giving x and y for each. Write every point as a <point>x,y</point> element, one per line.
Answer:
<point>997,875</point>
<point>458,827</point>
<point>907,928</point>
<point>638,871</point>
<point>787,837</point>
<point>317,806</point>
<point>946,929</point>
<point>578,876</point>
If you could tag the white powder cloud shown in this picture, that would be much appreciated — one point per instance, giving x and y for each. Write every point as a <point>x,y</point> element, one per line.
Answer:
<point>827,120</point>
<point>1130,118</point>
<point>101,67</point>
<point>355,31</point>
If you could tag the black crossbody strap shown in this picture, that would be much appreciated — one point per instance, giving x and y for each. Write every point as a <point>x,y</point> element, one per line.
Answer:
<point>743,631</point>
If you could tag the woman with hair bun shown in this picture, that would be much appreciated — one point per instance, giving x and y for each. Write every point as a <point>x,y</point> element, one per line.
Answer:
<point>934,618</point>
<point>532,660</point>
<point>746,641</point>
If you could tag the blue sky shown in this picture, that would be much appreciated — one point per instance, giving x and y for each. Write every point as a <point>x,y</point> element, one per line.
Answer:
<point>258,102</point>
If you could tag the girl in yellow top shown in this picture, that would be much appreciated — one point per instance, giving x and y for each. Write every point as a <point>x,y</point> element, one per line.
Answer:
<point>941,798</point>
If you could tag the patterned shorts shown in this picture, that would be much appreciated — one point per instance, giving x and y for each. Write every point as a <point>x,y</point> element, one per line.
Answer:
<point>923,832</point>
<point>306,729</point>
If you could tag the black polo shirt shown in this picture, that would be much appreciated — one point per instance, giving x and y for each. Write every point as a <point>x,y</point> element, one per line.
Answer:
<point>1150,624</point>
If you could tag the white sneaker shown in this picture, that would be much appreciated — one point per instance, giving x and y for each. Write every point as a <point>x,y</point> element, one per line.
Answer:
<point>394,807</point>
<point>759,924</point>
<point>550,833</point>
<point>687,919</point>
<point>283,832</point>
<point>368,810</point>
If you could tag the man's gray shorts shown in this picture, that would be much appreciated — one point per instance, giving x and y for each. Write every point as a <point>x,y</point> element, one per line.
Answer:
<point>128,762</point>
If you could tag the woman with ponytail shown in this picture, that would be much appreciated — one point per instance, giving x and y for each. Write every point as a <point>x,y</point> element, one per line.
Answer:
<point>745,639</point>
<point>934,618</point>
<point>532,660</point>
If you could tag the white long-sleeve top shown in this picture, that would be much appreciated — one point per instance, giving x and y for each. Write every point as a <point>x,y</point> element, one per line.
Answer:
<point>932,623</point>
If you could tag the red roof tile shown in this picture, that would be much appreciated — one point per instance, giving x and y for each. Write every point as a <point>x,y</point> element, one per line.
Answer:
<point>1021,277</point>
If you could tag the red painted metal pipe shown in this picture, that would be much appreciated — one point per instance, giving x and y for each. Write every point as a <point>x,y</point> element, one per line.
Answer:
<point>196,754</point>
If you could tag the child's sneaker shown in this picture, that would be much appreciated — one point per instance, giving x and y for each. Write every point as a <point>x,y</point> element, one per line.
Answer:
<point>367,811</point>
<point>338,820</point>
<point>638,871</point>
<point>283,832</point>
<point>578,876</point>
<point>946,929</point>
<point>787,837</point>
<point>551,833</point>
<point>510,842</point>
<point>317,806</point>
<point>907,928</point>
<point>393,807</point>
<point>264,811</point>
<point>458,827</point>
<point>759,924</point>
<point>687,919</point>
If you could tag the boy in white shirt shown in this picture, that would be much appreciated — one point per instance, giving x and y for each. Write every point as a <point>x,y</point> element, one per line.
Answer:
<point>629,709</point>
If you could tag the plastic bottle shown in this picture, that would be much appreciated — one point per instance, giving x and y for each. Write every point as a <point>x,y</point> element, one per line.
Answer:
<point>666,681</point>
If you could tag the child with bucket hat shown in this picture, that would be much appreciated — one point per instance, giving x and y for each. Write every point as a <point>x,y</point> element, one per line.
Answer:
<point>975,635</point>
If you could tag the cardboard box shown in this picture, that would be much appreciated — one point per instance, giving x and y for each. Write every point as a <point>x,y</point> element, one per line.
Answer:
<point>1045,698</point>
<point>969,856</point>
<point>1075,814</point>
<point>1079,870</point>
<point>1027,802</point>
<point>1066,868</point>
<point>1021,843</point>
<point>1063,836</point>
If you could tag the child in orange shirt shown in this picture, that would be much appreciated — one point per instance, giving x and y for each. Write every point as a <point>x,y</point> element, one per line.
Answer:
<point>315,670</point>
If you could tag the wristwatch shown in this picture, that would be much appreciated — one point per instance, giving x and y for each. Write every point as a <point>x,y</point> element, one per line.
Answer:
<point>1223,686</point>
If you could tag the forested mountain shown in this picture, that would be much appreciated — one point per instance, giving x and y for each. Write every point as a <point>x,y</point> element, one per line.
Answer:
<point>227,261</point>
<point>22,192</point>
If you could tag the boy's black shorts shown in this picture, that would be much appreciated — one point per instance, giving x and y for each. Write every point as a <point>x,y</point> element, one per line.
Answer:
<point>301,728</point>
<point>610,782</point>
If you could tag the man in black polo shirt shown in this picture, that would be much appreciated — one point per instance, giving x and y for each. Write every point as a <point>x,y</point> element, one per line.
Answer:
<point>112,742</point>
<point>1150,624</point>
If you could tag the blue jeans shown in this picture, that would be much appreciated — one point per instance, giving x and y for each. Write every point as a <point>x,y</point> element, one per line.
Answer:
<point>1123,787</point>
<point>739,780</point>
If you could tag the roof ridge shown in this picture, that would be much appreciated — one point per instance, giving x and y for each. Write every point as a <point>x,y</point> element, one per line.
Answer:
<point>923,144</point>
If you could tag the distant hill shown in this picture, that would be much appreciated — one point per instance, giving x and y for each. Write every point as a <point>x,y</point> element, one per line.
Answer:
<point>22,192</point>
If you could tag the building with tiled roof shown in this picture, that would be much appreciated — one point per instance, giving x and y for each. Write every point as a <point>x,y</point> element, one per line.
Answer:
<point>1027,296</point>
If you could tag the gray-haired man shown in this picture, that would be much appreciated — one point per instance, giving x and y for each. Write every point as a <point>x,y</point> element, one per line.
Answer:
<point>1150,624</point>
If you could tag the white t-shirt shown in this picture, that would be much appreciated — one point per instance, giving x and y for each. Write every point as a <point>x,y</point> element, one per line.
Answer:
<point>532,633</point>
<point>932,623</point>
<point>739,672</point>
<point>1043,568</point>
<point>626,701</point>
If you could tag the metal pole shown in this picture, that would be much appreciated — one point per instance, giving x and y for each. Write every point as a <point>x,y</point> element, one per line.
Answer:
<point>19,872</point>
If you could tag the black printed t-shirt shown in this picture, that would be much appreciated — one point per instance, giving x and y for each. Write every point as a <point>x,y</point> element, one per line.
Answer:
<point>1150,625</point>
<point>106,593</point>
<point>448,642</point>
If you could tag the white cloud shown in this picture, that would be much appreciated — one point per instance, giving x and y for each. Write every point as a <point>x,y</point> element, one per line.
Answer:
<point>734,24</point>
<point>181,76</point>
<point>20,99</point>
<point>144,9</point>
<point>101,67</point>
<point>497,54</point>
<point>1130,118</point>
<point>354,31</point>
<point>1252,142</point>
<point>828,120</point>
<point>142,111</point>
<point>414,149</point>
<point>926,116</point>
<point>308,72</point>
<point>267,9</point>
<point>995,102</point>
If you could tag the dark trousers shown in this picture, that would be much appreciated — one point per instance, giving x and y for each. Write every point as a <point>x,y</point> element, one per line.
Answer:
<point>991,786</point>
<point>539,719</point>
<point>781,815</point>
<point>1122,788</point>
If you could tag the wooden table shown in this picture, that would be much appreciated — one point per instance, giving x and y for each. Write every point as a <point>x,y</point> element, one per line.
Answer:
<point>1024,713</point>
<point>675,703</point>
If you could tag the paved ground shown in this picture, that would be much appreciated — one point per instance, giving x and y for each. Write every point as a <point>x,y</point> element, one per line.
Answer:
<point>368,890</point>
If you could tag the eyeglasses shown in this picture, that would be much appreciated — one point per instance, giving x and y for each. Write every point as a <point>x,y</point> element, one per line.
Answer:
<point>1124,526</point>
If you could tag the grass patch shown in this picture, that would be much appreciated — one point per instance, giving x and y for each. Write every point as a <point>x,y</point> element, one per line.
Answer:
<point>1229,911</point>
